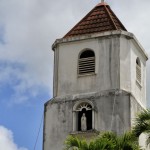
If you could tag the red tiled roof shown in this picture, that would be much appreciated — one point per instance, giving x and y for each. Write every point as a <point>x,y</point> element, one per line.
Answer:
<point>99,19</point>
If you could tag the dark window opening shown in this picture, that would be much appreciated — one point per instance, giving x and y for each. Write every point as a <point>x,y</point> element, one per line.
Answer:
<point>138,62</point>
<point>87,53</point>
<point>88,114</point>
<point>138,70</point>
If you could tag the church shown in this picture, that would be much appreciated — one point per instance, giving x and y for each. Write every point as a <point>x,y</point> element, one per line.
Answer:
<point>99,80</point>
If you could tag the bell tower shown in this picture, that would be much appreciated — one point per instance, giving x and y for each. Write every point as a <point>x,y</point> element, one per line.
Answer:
<point>99,79</point>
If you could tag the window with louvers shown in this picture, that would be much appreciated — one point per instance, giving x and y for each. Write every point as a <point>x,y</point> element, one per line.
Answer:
<point>86,64</point>
<point>138,70</point>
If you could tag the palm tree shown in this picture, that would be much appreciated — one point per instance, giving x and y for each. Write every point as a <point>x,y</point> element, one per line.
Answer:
<point>81,144</point>
<point>101,143</point>
<point>128,141</point>
<point>142,124</point>
<point>105,141</point>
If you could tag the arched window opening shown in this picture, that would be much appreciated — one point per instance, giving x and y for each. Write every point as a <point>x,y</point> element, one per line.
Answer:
<point>88,116</point>
<point>138,70</point>
<point>87,53</point>
<point>84,110</point>
<point>86,64</point>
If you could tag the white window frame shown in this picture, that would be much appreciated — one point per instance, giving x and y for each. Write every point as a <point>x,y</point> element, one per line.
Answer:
<point>138,73</point>
<point>84,60</point>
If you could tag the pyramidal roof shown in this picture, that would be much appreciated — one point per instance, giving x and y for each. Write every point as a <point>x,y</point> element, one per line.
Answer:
<point>100,19</point>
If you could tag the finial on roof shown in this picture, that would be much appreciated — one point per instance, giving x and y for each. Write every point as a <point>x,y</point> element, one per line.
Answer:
<point>100,19</point>
<point>102,3</point>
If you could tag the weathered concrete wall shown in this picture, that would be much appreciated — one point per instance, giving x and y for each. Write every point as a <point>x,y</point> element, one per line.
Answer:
<point>113,113</point>
<point>139,93</point>
<point>107,66</point>
<point>115,66</point>
<point>135,109</point>
<point>129,52</point>
<point>125,64</point>
<point>59,116</point>
<point>57,124</point>
<point>116,54</point>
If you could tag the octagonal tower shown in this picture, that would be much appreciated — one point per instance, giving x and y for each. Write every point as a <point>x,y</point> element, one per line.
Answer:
<point>99,71</point>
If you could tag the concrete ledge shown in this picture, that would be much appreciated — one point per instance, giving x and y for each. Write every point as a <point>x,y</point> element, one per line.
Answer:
<point>89,96</point>
<point>91,36</point>
<point>87,134</point>
<point>107,34</point>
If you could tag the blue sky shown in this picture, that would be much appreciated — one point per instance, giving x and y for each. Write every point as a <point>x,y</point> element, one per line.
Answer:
<point>27,30</point>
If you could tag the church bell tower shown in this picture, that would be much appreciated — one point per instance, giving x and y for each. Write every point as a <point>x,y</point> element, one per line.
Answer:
<point>99,80</point>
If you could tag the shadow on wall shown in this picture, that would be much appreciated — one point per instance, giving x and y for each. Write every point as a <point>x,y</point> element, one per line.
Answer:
<point>148,83</point>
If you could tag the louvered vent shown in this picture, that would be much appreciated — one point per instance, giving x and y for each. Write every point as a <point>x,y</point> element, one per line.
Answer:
<point>138,73</point>
<point>138,70</point>
<point>86,63</point>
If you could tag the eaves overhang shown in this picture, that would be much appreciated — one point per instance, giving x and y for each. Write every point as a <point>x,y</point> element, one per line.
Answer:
<point>107,34</point>
<point>142,50</point>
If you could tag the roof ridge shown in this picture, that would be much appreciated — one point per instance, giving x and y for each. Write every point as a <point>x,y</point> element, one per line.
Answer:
<point>118,19</point>
<point>111,18</point>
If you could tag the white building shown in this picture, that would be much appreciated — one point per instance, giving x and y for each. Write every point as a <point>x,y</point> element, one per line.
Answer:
<point>99,70</point>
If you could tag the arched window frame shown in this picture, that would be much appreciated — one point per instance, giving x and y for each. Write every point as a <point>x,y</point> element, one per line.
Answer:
<point>138,71</point>
<point>93,60</point>
<point>75,114</point>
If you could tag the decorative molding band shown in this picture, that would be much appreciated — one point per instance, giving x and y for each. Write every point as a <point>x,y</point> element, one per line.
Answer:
<point>95,35</point>
<point>88,96</point>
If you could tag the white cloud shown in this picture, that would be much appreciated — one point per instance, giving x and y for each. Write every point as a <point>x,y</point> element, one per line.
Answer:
<point>27,43</point>
<point>22,83</point>
<point>30,28</point>
<point>7,141</point>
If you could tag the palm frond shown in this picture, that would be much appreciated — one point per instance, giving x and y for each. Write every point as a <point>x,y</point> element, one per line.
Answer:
<point>84,145</point>
<point>108,135</point>
<point>91,145</point>
<point>128,141</point>
<point>104,144</point>
<point>72,141</point>
<point>143,115</point>
<point>142,123</point>
<point>105,141</point>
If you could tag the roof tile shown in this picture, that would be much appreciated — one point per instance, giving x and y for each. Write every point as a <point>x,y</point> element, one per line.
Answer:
<point>99,19</point>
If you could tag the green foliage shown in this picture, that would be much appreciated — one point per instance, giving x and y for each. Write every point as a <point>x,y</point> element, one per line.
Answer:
<point>111,141</point>
<point>102,144</point>
<point>105,141</point>
<point>142,124</point>
<point>72,141</point>
<point>126,141</point>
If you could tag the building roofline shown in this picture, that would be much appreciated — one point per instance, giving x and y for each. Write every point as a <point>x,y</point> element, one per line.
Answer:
<point>99,35</point>
<point>101,18</point>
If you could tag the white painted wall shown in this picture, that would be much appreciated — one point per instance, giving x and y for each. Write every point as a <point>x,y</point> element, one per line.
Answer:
<point>140,94</point>
<point>125,67</point>
<point>107,66</point>
<point>115,66</point>
<point>116,54</point>
<point>129,51</point>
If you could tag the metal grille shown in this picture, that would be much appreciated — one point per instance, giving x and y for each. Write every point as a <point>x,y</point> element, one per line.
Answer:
<point>138,73</point>
<point>86,65</point>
